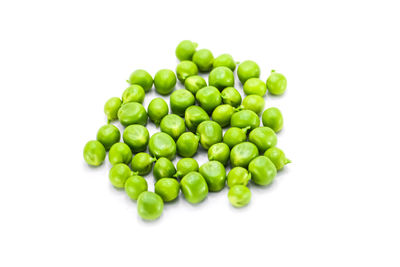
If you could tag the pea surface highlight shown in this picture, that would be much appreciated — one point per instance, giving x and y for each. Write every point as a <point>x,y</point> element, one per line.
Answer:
<point>136,136</point>
<point>278,157</point>
<point>94,153</point>
<point>132,113</point>
<point>142,163</point>
<point>120,153</point>
<point>163,168</point>
<point>180,100</point>
<point>204,59</point>
<point>187,144</point>
<point>186,165</point>
<point>134,186</point>
<point>165,81</point>
<point>157,110</point>
<point>185,50</point>
<point>248,69</point>
<point>108,135</point>
<point>262,170</point>
<point>210,133</point>
<point>118,175</point>
<point>173,125</point>
<point>219,152</point>
<point>194,187</point>
<point>142,78</point>
<point>242,154</point>
<point>276,83</point>
<point>221,77</point>
<point>272,118</point>
<point>263,138</point>
<point>167,188</point>
<point>150,205</point>
<point>162,145</point>
<point>239,196</point>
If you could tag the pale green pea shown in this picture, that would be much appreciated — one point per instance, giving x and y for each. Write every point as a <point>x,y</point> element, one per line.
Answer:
<point>239,196</point>
<point>180,100</point>
<point>134,186</point>
<point>248,69</point>
<point>263,138</point>
<point>262,170</point>
<point>276,83</point>
<point>210,133</point>
<point>173,125</point>
<point>245,118</point>
<point>157,110</point>
<point>254,102</point>
<point>194,187</point>
<point>111,108</point>
<point>186,165</point>
<point>94,153</point>
<point>118,175</point>
<point>136,137</point>
<point>255,86</point>
<point>108,135</point>
<point>242,154</point>
<point>187,144</point>
<point>204,59</point>
<point>132,113</point>
<point>195,83</point>
<point>134,93</point>
<point>221,77</point>
<point>234,136</point>
<point>215,175</point>
<point>209,98</point>
<point>238,176</point>
<point>195,115</point>
<point>278,157</point>
<point>225,60</point>
<point>142,163</point>
<point>163,168</point>
<point>167,188</point>
<point>219,152</point>
<point>165,81</point>
<point>231,96</point>
<point>186,69</point>
<point>142,78</point>
<point>272,118</point>
<point>185,50</point>
<point>120,153</point>
<point>150,205</point>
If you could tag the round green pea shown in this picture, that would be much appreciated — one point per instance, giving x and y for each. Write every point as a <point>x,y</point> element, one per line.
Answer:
<point>120,153</point>
<point>186,165</point>
<point>173,125</point>
<point>186,69</point>
<point>231,96</point>
<point>255,86</point>
<point>276,83</point>
<point>239,196</point>
<point>238,176</point>
<point>163,168</point>
<point>167,188</point>
<point>187,144</point>
<point>278,157</point>
<point>255,103</point>
<point>133,93</point>
<point>234,136</point>
<point>162,145</point>
<point>194,187</point>
<point>222,114</point>
<point>136,137</point>
<point>195,115</point>
<point>94,153</point>
<point>180,100</point>
<point>204,59</point>
<point>219,152</point>
<point>165,81</point>
<point>185,50</point>
<point>242,154</point>
<point>262,170</point>
<point>209,98</point>
<point>118,175</point>
<point>272,118</point>
<point>142,78</point>
<point>134,186</point>
<point>263,138</point>
<point>225,60</point>
<point>111,108</point>
<point>248,69</point>
<point>245,118</point>
<point>195,83</point>
<point>132,113</point>
<point>150,206</point>
<point>142,163</point>
<point>221,77</point>
<point>157,110</point>
<point>215,175</point>
<point>108,135</point>
<point>210,133</point>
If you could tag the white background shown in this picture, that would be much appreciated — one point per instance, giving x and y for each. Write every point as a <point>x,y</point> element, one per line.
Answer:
<point>337,204</point>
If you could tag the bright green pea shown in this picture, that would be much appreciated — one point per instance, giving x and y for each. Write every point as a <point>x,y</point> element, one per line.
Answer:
<point>134,186</point>
<point>262,170</point>
<point>132,113</point>
<point>225,60</point>
<point>238,176</point>
<point>185,50</point>
<point>255,103</point>
<point>186,69</point>
<point>222,114</point>
<point>221,77</point>
<point>108,135</point>
<point>245,118</point>
<point>209,98</point>
<point>231,96</point>
<point>263,138</point>
<point>173,125</point>
<point>215,175</point>
<point>167,188</point>
<point>118,175</point>
<point>278,157</point>
<point>111,108</point>
<point>150,206</point>
<point>134,93</point>
<point>165,81</point>
<point>136,137</point>
<point>162,145</point>
<point>120,153</point>
<point>157,110</point>
<point>142,78</point>
<point>255,86</point>
<point>234,136</point>
<point>276,83</point>
<point>272,118</point>
<point>204,59</point>
<point>180,100</point>
<point>210,133</point>
<point>142,163</point>
<point>219,152</point>
<point>195,83</point>
<point>186,165</point>
<point>242,154</point>
<point>248,69</point>
<point>239,196</point>
<point>195,115</point>
<point>163,168</point>
<point>194,187</point>
<point>187,144</point>
<point>94,153</point>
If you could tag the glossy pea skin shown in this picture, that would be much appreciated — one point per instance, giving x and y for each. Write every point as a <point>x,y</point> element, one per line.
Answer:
<point>185,69</point>
<point>239,196</point>
<point>242,154</point>
<point>108,135</point>
<point>186,165</point>
<point>209,98</point>
<point>167,188</point>
<point>234,136</point>
<point>215,175</point>
<point>195,115</point>
<point>185,50</point>
<point>134,93</point>
<point>164,81</point>
<point>231,96</point>
<point>142,78</point>
<point>278,157</point>
<point>262,170</point>
<point>134,186</point>
<point>225,60</point>
<point>194,187</point>
<point>245,118</point>
<point>187,144</point>
<point>238,176</point>
<point>263,138</point>
<point>94,153</point>
<point>163,168</point>
<point>142,163</point>
<point>222,114</point>
<point>136,136</point>
<point>276,83</point>
<point>204,59</point>
<point>149,206</point>
<point>180,100</point>
<point>157,110</point>
<point>132,113</point>
<point>118,175</point>
<point>255,86</point>
<point>111,108</point>
<point>248,69</point>
<point>210,133</point>
<point>120,153</point>
<point>162,145</point>
<point>221,77</point>
<point>195,83</point>
<point>255,103</point>
<point>219,152</point>
<point>272,118</point>
<point>173,125</point>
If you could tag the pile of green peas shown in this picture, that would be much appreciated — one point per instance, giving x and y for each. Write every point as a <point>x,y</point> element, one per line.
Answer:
<point>210,115</point>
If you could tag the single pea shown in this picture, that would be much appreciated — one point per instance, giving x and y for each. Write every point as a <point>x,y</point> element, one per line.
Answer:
<point>187,144</point>
<point>242,154</point>
<point>167,188</point>
<point>165,81</point>
<point>239,196</point>
<point>142,78</point>
<point>225,60</point>
<point>263,138</point>
<point>235,135</point>
<point>108,135</point>
<point>204,59</point>
<point>262,170</point>
<point>238,176</point>
<point>163,168</point>
<point>255,103</point>
<point>219,152</point>
<point>132,113</point>
<point>94,153</point>
<point>157,110</point>
<point>210,133</point>
<point>111,108</point>
<point>185,69</point>
<point>120,153</point>
<point>134,186</point>
<point>195,83</point>
<point>221,77</point>
<point>162,145</point>
<point>272,118</point>
<point>278,157</point>
<point>222,114</point>
<point>255,86</point>
<point>248,69</point>
<point>231,96</point>
<point>276,83</point>
<point>245,118</point>
<point>185,50</point>
<point>173,125</point>
<point>194,187</point>
<point>142,163</point>
<point>209,98</point>
<point>195,115</point>
<point>150,206</point>
<point>118,175</point>
<point>180,100</point>
<point>215,175</point>
<point>136,137</point>
<point>134,93</point>
<point>186,165</point>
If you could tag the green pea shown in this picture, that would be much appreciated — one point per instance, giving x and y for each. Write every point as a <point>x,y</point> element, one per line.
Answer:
<point>210,133</point>
<point>173,125</point>
<point>248,69</point>
<point>239,196</point>
<point>132,113</point>
<point>94,153</point>
<point>263,138</point>
<point>133,93</point>
<point>254,102</point>
<point>242,154</point>
<point>162,145</point>
<point>219,152</point>
<point>231,96</point>
<point>167,188</point>
<point>221,77</point>
<point>234,136</point>
<point>186,69</point>
<point>209,98</point>
<point>136,137</point>
<point>276,83</point>
<point>215,175</point>
<point>278,157</point>
<point>272,118</point>
<point>150,206</point>
<point>195,115</point>
<point>142,163</point>
<point>255,86</point>
<point>262,170</point>
<point>195,83</point>
<point>225,60</point>
<point>186,165</point>
<point>120,153</point>
<point>134,186</point>
<point>165,81</point>
<point>108,135</point>
<point>163,168</point>
<point>185,50</point>
<point>194,187</point>
<point>111,108</point>
<point>245,118</point>
<point>118,175</point>
<point>238,176</point>
<point>142,78</point>
<point>187,144</point>
<point>180,100</point>
<point>222,114</point>
<point>204,59</point>
<point>157,110</point>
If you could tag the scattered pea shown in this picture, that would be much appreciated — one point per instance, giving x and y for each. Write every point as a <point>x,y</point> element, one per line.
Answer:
<point>165,81</point>
<point>245,118</point>
<point>262,170</point>
<point>167,188</point>
<point>222,114</point>
<point>239,196</point>
<point>173,125</point>
<point>136,136</point>
<point>142,78</point>
<point>231,96</point>
<point>132,113</point>
<point>157,110</point>
<point>225,60</point>
<point>194,187</point>
<point>242,154</point>
<point>214,174</point>
<point>133,93</point>
<point>118,175</point>
<point>204,59</point>
<point>163,168</point>
<point>221,77</point>
<point>219,152</point>
<point>278,157</point>
<point>187,144</point>
<point>162,145</point>
<point>195,115</point>
<point>180,100</point>
<point>186,165</point>
<point>120,153</point>
<point>108,135</point>
<point>142,163</point>
<point>150,205</point>
<point>263,138</point>
<point>272,118</point>
<point>210,133</point>
<point>185,69</point>
<point>254,102</point>
<point>195,83</point>
<point>111,108</point>
<point>248,69</point>
<point>255,86</point>
<point>238,176</point>
<point>134,186</point>
<point>185,50</point>
<point>276,83</point>
<point>209,98</point>
<point>94,153</point>
<point>235,135</point>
